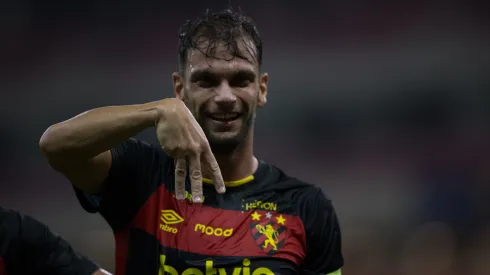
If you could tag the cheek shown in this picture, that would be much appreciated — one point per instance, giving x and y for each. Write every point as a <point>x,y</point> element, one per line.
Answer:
<point>191,105</point>
<point>252,98</point>
<point>193,99</point>
<point>249,102</point>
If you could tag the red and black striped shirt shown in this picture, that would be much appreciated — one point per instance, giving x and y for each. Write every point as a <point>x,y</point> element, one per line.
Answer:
<point>269,223</point>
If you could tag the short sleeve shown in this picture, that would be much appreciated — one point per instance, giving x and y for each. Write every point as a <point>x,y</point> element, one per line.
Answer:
<point>135,173</point>
<point>30,241</point>
<point>323,238</point>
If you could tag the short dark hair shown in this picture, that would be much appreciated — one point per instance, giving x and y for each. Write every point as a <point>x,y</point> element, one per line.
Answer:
<point>221,28</point>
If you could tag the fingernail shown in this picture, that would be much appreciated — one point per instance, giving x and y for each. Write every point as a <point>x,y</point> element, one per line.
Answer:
<point>197,198</point>
<point>221,190</point>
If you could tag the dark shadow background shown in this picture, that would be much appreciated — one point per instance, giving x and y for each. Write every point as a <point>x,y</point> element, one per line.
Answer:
<point>384,104</point>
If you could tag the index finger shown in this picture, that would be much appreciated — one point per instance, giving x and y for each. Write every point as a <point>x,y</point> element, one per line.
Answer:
<point>196,178</point>
<point>213,167</point>
<point>180,174</point>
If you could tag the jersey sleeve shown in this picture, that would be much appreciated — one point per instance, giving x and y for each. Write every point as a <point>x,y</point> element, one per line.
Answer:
<point>323,238</point>
<point>134,175</point>
<point>30,247</point>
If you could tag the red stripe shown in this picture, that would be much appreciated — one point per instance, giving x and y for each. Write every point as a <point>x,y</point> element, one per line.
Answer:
<point>3,268</point>
<point>240,243</point>
<point>121,240</point>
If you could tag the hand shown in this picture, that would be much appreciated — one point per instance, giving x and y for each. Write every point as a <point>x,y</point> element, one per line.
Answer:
<point>183,139</point>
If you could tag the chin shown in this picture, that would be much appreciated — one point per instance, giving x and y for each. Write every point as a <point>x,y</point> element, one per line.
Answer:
<point>225,142</point>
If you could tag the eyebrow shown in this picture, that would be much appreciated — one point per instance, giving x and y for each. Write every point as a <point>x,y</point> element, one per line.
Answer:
<point>204,73</point>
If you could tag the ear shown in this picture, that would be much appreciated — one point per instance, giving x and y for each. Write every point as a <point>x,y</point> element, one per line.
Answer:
<point>263,90</point>
<point>178,82</point>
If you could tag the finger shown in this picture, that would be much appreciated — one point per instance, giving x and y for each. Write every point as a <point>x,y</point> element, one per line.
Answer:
<point>180,173</point>
<point>213,167</point>
<point>196,177</point>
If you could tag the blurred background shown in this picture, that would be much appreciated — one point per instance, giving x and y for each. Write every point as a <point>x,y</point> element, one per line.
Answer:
<point>384,104</point>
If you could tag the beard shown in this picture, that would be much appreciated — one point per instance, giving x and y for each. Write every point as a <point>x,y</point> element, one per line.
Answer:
<point>223,143</point>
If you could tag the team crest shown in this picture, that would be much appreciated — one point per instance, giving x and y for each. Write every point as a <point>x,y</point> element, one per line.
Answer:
<point>268,231</point>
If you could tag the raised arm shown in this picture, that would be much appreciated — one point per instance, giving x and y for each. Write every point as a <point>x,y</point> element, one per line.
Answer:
<point>79,148</point>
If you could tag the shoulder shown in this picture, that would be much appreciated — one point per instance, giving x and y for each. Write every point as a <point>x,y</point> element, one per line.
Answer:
<point>19,225</point>
<point>306,197</point>
<point>301,188</point>
<point>19,230</point>
<point>14,224</point>
<point>312,198</point>
<point>292,195</point>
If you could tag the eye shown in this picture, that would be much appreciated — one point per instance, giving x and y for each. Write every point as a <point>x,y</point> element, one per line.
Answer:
<point>205,84</point>
<point>241,83</point>
<point>242,79</point>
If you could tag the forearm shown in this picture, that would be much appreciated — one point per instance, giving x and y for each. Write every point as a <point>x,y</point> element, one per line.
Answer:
<point>97,130</point>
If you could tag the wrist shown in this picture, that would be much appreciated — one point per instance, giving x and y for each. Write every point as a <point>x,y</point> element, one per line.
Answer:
<point>153,111</point>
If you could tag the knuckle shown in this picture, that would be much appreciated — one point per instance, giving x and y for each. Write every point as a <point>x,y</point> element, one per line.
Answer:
<point>189,148</point>
<point>196,175</point>
<point>183,148</point>
<point>214,168</point>
<point>180,172</point>
<point>204,144</point>
<point>196,147</point>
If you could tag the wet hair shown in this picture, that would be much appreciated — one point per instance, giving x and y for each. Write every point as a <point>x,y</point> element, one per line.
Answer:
<point>226,28</point>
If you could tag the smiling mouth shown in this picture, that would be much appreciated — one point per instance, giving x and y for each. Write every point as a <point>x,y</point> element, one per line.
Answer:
<point>227,117</point>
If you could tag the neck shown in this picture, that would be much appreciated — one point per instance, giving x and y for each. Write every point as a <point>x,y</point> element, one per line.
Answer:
<point>240,163</point>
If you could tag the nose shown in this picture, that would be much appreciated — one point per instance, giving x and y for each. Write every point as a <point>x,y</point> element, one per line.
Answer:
<point>225,97</point>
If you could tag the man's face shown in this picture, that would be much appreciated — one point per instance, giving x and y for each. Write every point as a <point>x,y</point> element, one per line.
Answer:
<point>223,94</point>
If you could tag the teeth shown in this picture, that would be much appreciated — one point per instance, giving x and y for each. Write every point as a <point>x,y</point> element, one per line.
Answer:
<point>229,116</point>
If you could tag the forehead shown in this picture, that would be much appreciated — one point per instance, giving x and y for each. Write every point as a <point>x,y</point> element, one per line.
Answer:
<point>221,60</point>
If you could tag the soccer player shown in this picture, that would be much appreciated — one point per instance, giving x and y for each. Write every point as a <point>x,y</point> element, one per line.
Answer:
<point>167,204</point>
<point>28,247</point>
